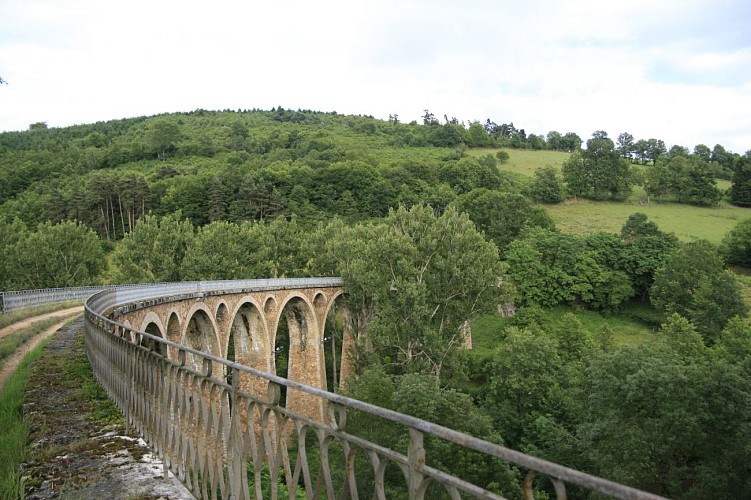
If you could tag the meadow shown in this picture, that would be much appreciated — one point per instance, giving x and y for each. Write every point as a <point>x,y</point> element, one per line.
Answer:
<point>580,216</point>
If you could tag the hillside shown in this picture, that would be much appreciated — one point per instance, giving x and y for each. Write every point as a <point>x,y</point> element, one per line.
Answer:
<point>257,165</point>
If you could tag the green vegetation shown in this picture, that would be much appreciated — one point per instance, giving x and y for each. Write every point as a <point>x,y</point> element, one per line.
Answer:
<point>607,365</point>
<point>524,161</point>
<point>78,373</point>
<point>15,431</point>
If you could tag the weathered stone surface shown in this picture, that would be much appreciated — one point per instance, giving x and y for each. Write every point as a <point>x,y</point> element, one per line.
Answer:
<point>73,455</point>
<point>251,321</point>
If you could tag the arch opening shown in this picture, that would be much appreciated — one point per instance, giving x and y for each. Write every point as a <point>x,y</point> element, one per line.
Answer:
<point>336,345</point>
<point>150,344</point>
<point>201,336</point>
<point>247,340</point>
<point>298,356</point>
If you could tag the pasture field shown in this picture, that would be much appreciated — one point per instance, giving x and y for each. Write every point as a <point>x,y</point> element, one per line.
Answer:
<point>579,216</point>
<point>524,161</point>
<point>687,222</point>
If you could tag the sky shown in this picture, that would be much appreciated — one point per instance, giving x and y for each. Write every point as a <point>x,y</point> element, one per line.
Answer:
<point>667,69</point>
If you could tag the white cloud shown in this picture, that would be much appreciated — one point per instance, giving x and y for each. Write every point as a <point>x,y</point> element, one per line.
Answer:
<point>576,66</point>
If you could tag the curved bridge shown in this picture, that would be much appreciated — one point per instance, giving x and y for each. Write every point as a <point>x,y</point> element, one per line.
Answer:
<point>192,368</point>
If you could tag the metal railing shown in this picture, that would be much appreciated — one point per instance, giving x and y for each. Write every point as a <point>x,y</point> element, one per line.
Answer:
<point>222,442</point>
<point>20,299</point>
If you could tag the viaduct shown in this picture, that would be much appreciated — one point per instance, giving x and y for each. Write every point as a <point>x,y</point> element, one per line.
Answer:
<point>252,326</point>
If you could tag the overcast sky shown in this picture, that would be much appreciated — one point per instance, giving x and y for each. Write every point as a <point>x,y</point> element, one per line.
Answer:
<point>675,70</point>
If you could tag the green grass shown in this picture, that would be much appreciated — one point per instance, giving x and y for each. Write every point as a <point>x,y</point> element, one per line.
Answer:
<point>14,428</point>
<point>78,372</point>
<point>524,161</point>
<point>635,325</point>
<point>9,318</point>
<point>486,332</point>
<point>687,222</point>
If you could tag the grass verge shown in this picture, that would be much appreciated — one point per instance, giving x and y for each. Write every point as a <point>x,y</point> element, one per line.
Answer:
<point>78,372</point>
<point>14,428</point>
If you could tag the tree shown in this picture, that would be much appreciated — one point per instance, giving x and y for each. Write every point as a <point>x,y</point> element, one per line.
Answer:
<point>694,284</point>
<point>413,280</point>
<point>703,152</point>
<point>478,136</point>
<point>469,173</point>
<point>736,244</point>
<point>550,268</point>
<point>421,396</point>
<point>429,118</point>
<point>221,251</point>
<point>576,175</point>
<point>10,234</point>
<point>598,172</point>
<point>55,256</point>
<point>717,299</point>
<point>645,250</point>
<point>686,179</point>
<point>665,418</point>
<point>547,186</point>
<point>734,344</point>
<point>571,142</point>
<point>655,149</point>
<point>153,252</point>
<point>626,145</point>
<point>162,136</point>
<point>677,150</point>
<point>525,378</point>
<point>502,216</point>
<point>740,190</point>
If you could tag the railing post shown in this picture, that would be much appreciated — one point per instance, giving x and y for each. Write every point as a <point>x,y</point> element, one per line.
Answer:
<point>416,457</point>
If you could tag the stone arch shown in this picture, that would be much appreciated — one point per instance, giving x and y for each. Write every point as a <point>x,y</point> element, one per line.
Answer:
<point>221,313</point>
<point>173,332</point>
<point>200,334</point>
<point>152,328</point>
<point>247,343</point>
<point>337,340</point>
<point>305,354</point>
<point>269,305</point>
<point>152,318</point>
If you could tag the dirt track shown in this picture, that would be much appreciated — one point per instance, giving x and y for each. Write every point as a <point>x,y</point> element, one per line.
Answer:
<point>12,361</point>
<point>30,321</point>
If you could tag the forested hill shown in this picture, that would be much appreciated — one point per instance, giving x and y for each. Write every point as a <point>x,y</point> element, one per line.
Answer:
<point>258,165</point>
<point>234,166</point>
